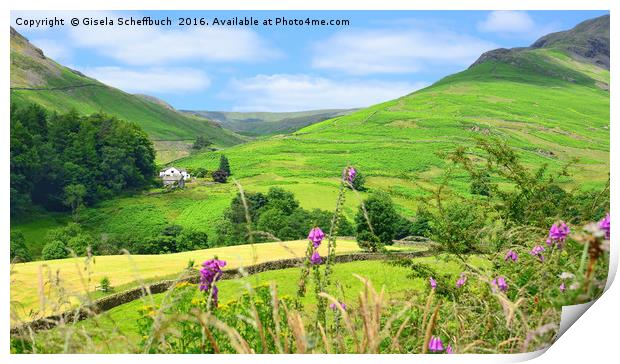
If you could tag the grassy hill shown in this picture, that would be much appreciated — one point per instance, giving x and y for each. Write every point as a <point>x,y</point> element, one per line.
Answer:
<point>36,78</point>
<point>269,123</point>
<point>548,103</point>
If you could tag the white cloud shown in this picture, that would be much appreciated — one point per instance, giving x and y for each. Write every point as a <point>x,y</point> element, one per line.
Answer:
<point>53,49</point>
<point>501,21</point>
<point>153,46</point>
<point>150,80</point>
<point>396,51</point>
<point>294,92</point>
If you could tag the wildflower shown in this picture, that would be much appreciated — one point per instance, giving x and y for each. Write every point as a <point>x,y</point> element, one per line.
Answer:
<point>316,236</point>
<point>511,255</point>
<point>209,274</point>
<point>557,234</point>
<point>461,281</point>
<point>335,308</point>
<point>604,225</point>
<point>435,344</point>
<point>537,252</point>
<point>433,283</point>
<point>316,258</point>
<point>567,275</point>
<point>562,287</point>
<point>449,349</point>
<point>500,282</point>
<point>351,172</point>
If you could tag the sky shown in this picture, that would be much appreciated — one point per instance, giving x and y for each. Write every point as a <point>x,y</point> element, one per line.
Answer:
<point>379,56</point>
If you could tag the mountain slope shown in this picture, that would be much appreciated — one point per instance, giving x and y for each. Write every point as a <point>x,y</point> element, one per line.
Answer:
<point>269,123</point>
<point>550,104</point>
<point>36,78</point>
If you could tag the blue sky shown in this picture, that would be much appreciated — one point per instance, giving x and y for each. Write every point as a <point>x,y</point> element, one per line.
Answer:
<point>381,55</point>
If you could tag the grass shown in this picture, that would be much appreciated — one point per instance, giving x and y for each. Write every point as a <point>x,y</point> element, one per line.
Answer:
<point>126,271</point>
<point>395,279</point>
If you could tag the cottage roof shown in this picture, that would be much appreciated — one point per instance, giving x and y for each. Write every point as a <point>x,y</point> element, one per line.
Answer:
<point>179,169</point>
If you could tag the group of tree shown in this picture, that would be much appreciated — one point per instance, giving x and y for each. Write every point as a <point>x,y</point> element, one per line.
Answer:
<point>72,239</point>
<point>275,215</point>
<point>64,161</point>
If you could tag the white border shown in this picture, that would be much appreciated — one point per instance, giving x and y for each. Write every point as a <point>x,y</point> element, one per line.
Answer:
<point>593,338</point>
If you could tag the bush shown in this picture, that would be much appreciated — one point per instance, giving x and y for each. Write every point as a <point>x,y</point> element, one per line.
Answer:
<point>369,242</point>
<point>200,172</point>
<point>19,250</point>
<point>104,284</point>
<point>192,240</point>
<point>54,250</point>
<point>458,227</point>
<point>359,181</point>
<point>421,225</point>
<point>219,176</point>
<point>72,236</point>
<point>382,216</point>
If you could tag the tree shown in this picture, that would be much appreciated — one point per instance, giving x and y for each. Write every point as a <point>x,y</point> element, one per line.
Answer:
<point>74,196</point>
<point>219,176</point>
<point>19,250</point>
<point>378,211</point>
<point>224,165</point>
<point>54,250</point>
<point>201,142</point>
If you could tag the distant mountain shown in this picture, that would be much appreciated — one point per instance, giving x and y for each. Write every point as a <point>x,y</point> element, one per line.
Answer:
<point>269,123</point>
<point>39,79</point>
<point>587,42</point>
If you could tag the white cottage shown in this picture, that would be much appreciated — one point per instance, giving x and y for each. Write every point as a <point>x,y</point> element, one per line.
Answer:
<point>172,171</point>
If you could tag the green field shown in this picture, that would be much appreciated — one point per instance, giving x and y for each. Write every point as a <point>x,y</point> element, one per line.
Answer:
<point>394,279</point>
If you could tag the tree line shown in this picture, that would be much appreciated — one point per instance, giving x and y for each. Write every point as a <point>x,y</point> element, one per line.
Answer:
<point>61,161</point>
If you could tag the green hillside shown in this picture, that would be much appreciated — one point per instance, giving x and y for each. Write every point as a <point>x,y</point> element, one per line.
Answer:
<point>36,78</point>
<point>546,102</point>
<point>269,123</point>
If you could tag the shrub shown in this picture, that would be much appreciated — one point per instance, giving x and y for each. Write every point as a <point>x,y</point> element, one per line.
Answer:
<point>458,227</point>
<point>54,250</point>
<point>79,244</point>
<point>192,240</point>
<point>104,284</point>
<point>219,176</point>
<point>19,250</point>
<point>359,182</point>
<point>369,242</point>
<point>381,215</point>
<point>421,225</point>
<point>71,236</point>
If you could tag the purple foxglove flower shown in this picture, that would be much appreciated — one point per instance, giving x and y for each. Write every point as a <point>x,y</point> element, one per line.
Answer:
<point>604,225</point>
<point>351,174</point>
<point>461,281</point>
<point>209,274</point>
<point>537,251</point>
<point>449,349</point>
<point>562,287</point>
<point>316,236</point>
<point>500,283</point>
<point>435,344</point>
<point>511,255</point>
<point>558,234</point>
<point>315,259</point>
<point>432,282</point>
<point>335,308</point>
